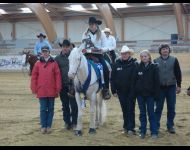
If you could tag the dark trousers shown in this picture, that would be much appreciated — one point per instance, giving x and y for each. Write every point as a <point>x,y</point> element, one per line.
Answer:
<point>113,56</point>
<point>105,71</point>
<point>146,104</point>
<point>128,109</point>
<point>168,93</point>
<point>46,111</point>
<point>69,107</point>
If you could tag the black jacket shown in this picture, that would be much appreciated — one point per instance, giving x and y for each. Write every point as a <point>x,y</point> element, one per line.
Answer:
<point>122,75</point>
<point>147,80</point>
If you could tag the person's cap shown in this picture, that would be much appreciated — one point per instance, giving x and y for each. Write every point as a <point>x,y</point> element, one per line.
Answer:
<point>41,35</point>
<point>93,20</point>
<point>45,48</point>
<point>126,49</point>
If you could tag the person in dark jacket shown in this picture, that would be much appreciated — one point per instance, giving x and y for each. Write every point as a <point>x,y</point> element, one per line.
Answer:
<point>170,84</point>
<point>121,85</point>
<point>147,91</point>
<point>69,105</point>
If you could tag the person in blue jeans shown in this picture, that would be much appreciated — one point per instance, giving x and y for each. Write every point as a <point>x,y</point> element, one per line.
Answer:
<point>147,92</point>
<point>170,85</point>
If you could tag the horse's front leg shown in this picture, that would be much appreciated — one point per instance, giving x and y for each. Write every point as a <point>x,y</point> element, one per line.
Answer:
<point>78,130</point>
<point>93,98</point>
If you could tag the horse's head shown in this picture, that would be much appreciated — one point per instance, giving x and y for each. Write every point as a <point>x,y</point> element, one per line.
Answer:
<point>25,57</point>
<point>75,60</point>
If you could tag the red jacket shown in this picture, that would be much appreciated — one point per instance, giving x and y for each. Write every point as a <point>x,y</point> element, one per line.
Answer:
<point>46,79</point>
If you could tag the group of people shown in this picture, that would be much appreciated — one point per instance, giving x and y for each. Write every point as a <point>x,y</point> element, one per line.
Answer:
<point>149,81</point>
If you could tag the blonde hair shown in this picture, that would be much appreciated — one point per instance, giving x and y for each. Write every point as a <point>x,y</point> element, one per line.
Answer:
<point>98,32</point>
<point>148,53</point>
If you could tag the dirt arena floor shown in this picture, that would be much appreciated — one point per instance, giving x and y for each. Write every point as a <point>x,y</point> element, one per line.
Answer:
<point>19,118</point>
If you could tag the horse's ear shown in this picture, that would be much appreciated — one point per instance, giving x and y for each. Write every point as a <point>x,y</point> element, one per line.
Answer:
<point>60,44</point>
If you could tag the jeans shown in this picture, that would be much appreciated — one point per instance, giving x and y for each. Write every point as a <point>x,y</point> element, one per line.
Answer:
<point>168,93</point>
<point>146,104</point>
<point>128,109</point>
<point>46,111</point>
<point>69,107</point>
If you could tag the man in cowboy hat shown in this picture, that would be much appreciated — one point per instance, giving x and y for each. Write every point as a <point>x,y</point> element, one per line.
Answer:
<point>39,44</point>
<point>122,79</point>
<point>110,43</point>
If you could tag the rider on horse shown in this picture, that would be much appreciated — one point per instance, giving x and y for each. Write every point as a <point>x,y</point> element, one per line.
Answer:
<point>110,43</point>
<point>39,44</point>
<point>98,42</point>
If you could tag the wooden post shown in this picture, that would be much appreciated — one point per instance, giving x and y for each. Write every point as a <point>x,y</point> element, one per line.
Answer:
<point>179,19</point>
<point>65,29</point>
<point>122,29</point>
<point>13,31</point>
<point>107,16</point>
<point>186,27</point>
<point>45,20</point>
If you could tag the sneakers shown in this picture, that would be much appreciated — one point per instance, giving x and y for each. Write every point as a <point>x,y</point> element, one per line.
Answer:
<point>154,136</point>
<point>142,135</point>
<point>43,130</point>
<point>130,132</point>
<point>68,126</point>
<point>48,130</point>
<point>171,130</point>
<point>106,94</point>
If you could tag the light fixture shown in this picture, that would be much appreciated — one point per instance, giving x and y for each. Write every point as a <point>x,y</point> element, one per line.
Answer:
<point>119,5</point>
<point>155,4</point>
<point>47,10</point>
<point>4,3</point>
<point>76,7</point>
<point>2,11</point>
<point>94,6</point>
<point>26,10</point>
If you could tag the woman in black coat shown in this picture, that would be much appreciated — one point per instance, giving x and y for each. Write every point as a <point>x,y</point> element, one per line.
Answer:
<point>147,91</point>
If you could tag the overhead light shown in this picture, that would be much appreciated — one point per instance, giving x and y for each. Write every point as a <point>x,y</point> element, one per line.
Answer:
<point>4,3</point>
<point>2,11</point>
<point>76,7</point>
<point>119,5</point>
<point>155,4</point>
<point>26,10</point>
<point>94,6</point>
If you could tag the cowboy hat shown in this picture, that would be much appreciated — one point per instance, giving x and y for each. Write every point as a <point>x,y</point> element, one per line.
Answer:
<point>93,20</point>
<point>107,30</point>
<point>41,35</point>
<point>125,49</point>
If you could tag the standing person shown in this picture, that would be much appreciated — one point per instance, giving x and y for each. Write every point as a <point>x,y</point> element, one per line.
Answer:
<point>46,84</point>
<point>69,105</point>
<point>110,43</point>
<point>98,39</point>
<point>147,91</point>
<point>40,43</point>
<point>121,85</point>
<point>170,84</point>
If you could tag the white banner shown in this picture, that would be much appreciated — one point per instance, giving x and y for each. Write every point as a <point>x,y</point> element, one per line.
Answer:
<point>11,62</point>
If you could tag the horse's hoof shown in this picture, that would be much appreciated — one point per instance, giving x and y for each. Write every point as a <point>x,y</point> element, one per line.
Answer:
<point>78,132</point>
<point>92,131</point>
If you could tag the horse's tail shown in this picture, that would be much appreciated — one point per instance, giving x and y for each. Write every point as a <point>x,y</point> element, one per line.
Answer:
<point>104,111</point>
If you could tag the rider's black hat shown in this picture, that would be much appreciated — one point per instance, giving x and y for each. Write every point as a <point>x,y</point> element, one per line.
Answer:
<point>93,20</point>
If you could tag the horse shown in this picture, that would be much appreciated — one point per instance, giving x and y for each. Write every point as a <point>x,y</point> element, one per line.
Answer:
<point>31,59</point>
<point>78,70</point>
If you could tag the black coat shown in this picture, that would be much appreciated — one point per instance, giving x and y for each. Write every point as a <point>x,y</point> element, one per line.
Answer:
<point>147,80</point>
<point>122,75</point>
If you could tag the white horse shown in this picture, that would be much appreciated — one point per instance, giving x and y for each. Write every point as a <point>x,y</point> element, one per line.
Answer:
<point>78,70</point>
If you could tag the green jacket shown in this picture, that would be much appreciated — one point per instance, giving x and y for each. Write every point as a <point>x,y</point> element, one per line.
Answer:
<point>63,63</point>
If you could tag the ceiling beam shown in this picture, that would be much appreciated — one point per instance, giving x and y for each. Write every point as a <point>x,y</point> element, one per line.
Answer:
<point>107,16</point>
<point>179,20</point>
<point>185,10</point>
<point>115,11</point>
<point>44,19</point>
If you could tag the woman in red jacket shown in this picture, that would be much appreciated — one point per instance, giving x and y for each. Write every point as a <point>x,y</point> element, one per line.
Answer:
<point>46,84</point>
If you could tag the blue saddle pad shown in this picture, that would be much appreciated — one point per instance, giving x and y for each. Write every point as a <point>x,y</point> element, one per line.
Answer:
<point>97,67</point>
